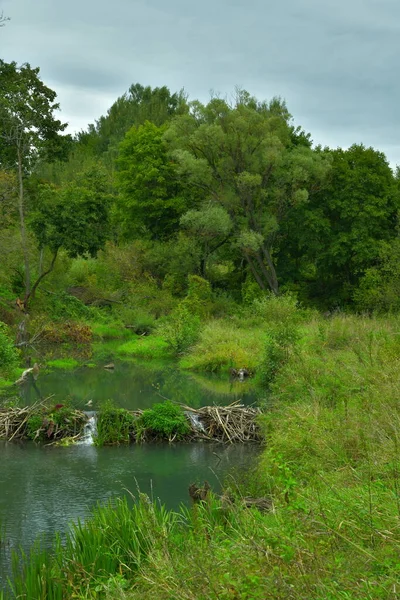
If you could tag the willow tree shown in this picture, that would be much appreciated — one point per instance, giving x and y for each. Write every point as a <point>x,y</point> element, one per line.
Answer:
<point>29,131</point>
<point>248,159</point>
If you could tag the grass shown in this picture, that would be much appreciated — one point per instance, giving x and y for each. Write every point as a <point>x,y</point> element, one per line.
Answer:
<point>67,364</point>
<point>147,347</point>
<point>223,345</point>
<point>110,331</point>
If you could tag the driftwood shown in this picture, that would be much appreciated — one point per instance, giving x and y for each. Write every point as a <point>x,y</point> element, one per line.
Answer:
<point>226,424</point>
<point>201,494</point>
<point>14,422</point>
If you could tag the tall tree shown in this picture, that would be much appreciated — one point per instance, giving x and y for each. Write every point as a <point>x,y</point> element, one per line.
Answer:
<point>74,217</point>
<point>151,200</point>
<point>28,131</point>
<point>341,231</point>
<point>249,159</point>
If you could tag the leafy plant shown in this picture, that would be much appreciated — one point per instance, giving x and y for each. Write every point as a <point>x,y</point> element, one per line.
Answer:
<point>181,329</point>
<point>114,425</point>
<point>165,420</point>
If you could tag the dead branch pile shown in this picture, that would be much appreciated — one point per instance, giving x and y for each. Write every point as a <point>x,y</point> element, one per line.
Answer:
<point>225,424</point>
<point>40,422</point>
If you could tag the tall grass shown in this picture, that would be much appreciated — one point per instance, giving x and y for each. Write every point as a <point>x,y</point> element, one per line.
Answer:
<point>113,543</point>
<point>223,345</point>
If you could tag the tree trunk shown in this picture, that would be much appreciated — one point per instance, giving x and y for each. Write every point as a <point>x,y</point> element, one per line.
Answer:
<point>255,273</point>
<point>24,240</point>
<point>39,279</point>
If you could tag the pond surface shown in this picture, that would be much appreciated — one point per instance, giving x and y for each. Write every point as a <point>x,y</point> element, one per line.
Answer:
<point>43,489</point>
<point>137,385</point>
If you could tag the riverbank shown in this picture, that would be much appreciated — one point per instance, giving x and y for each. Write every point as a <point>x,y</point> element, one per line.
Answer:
<point>330,467</point>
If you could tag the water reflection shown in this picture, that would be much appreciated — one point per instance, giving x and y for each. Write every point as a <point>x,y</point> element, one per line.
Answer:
<point>133,386</point>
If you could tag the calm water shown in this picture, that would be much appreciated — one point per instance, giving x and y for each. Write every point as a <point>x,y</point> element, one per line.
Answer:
<point>43,489</point>
<point>132,386</point>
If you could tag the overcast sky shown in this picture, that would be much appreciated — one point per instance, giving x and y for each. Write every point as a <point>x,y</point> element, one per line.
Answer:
<point>335,62</point>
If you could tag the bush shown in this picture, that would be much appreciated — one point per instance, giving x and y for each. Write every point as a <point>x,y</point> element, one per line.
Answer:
<point>165,420</point>
<point>280,342</point>
<point>114,425</point>
<point>181,329</point>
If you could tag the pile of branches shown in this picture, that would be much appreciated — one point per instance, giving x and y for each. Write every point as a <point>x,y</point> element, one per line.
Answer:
<point>52,424</point>
<point>226,424</point>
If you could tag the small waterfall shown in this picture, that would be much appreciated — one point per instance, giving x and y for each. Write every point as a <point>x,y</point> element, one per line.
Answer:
<point>195,420</point>
<point>90,430</point>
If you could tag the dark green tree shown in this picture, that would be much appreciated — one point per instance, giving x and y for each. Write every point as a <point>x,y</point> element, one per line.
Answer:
<point>74,217</point>
<point>151,200</point>
<point>29,131</point>
<point>332,240</point>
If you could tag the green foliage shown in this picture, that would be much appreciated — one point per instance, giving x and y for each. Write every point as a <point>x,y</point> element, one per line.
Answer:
<point>114,425</point>
<point>34,427</point>
<point>165,420</point>
<point>180,329</point>
<point>223,345</point>
<point>150,198</point>
<point>148,347</point>
<point>280,343</point>
<point>8,354</point>
<point>66,364</point>
<point>340,232</point>
<point>110,331</point>
<point>108,549</point>
<point>379,288</point>
<point>27,106</point>
<point>242,158</point>
<point>75,216</point>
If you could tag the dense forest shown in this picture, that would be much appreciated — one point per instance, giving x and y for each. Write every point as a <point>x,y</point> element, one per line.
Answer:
<point>163,187</point>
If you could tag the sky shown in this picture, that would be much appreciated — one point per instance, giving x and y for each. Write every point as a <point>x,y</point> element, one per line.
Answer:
<point>335,62</point>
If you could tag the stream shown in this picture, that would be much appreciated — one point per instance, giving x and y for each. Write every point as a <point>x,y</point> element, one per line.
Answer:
<point>43,489</point>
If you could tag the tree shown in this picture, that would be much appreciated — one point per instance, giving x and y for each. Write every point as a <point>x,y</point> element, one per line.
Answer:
<point>210,226</point>
<point>138,105</point>
<point>249,160</point>
<point>342,230</point>
<point>28,131</point>
<point>74,217</point>
<point>151,200</point>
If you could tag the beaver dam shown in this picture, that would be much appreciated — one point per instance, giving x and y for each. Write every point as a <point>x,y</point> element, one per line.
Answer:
<point>62,424</point>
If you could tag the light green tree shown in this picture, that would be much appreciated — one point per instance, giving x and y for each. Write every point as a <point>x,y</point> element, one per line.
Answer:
<point>248,160</point>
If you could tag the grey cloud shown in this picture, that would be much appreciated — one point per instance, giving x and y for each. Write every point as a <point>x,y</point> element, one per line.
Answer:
<point>334,61</point>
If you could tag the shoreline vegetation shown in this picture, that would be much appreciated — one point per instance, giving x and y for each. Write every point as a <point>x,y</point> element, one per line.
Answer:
<point>331,428</point>
<point>165,421</point>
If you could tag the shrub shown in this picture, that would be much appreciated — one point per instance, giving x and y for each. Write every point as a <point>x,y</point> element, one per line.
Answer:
<point>114,425</point>
<point>165,420</point>
<point>181,329</point>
